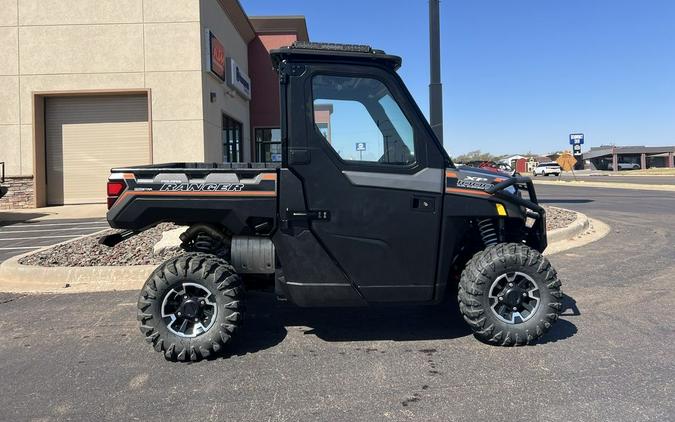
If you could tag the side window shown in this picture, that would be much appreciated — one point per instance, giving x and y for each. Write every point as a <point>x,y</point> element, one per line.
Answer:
<point>361,120</point>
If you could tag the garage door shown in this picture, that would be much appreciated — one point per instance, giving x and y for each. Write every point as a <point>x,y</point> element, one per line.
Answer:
<point>85,137</point>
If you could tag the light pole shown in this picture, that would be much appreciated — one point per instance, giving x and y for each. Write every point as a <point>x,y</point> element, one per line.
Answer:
<point>435,87</point>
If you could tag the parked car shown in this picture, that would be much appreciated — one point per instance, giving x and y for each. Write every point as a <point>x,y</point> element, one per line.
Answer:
<point>624,166</point>
<point>545,169</point>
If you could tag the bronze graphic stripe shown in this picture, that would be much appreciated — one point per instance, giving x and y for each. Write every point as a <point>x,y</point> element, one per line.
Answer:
<point>197,193</point>
<point>466,191</point>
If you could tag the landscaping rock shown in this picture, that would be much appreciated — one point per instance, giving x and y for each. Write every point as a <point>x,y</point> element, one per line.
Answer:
<point>170,241</point>
<point>86,251</point>
<point>557,218</point>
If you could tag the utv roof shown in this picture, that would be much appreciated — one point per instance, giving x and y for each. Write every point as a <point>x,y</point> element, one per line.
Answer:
<point>331,52</point>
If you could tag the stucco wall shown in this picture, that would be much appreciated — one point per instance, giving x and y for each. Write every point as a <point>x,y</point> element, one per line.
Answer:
<point>214,18</point>
<point>57,45</point>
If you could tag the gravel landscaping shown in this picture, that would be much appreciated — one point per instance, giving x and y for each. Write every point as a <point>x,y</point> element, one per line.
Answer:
<point>137,250</point>
<point>86,252</point>
<point>557,218</point>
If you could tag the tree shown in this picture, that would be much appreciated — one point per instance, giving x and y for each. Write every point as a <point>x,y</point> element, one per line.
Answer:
<point>476,155</point>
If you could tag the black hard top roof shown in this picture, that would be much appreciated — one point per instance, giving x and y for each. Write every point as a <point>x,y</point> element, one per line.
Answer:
<point>332,51</point>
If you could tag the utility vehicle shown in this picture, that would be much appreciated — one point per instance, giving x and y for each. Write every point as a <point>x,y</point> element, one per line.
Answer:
<point>365,208</point>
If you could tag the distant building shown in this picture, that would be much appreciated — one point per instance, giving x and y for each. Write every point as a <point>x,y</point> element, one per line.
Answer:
<point>610,157</point>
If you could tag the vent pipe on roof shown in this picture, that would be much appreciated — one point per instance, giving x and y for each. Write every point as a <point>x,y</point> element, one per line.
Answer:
<point>435,87</point>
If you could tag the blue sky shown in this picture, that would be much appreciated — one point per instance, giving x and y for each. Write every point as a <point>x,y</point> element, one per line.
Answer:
<point>521,75</point>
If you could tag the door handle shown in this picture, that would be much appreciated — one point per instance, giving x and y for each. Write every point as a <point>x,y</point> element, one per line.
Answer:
<point>423,203</point>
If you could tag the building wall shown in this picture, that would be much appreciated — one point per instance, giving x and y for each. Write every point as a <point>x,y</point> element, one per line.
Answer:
<point>214,18</point>
<point>265,82</point>
<point>82,45</point>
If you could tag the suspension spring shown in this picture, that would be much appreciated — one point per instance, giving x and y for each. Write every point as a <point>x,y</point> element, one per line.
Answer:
<point>488,232</point>
<point>205,243</point>
<point>205,238</point>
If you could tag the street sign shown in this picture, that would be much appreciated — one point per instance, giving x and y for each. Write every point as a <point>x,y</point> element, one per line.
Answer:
<point>576,138</point>
<point>576,149</point>
<point>566,161</point>
<point>360,146</point>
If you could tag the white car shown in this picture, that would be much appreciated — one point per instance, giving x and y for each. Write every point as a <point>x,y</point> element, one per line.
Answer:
<point>624,166</point>
<point>544,169</point>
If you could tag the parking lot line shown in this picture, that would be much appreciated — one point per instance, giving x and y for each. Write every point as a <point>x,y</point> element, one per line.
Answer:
<point>42,237</point>
<point>38,224</point>
<point>52,230</point>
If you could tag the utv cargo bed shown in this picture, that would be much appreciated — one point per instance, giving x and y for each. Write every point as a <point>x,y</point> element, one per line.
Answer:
<point>240,196</point>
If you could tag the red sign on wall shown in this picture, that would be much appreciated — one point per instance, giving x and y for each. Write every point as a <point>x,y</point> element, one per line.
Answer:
<point>217,57</point>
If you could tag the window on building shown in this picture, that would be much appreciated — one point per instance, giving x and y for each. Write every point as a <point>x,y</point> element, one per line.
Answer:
<point>232,140</point>
<point>365,122</point>
<point>268,145</point>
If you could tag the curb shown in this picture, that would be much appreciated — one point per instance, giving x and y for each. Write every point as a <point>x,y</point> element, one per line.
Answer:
<point>18,278</point>
<point>579,226</point>
<point>15,277</point>
<point>606,185</point>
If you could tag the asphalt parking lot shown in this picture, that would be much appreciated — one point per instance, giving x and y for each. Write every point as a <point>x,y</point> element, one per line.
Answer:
<point>24,236</point>
<point>611,357</point>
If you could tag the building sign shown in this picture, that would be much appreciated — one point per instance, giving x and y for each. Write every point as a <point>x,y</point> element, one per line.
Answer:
<point>576,138</point>
<point>216,56</point>
<point>237,79</point>
<point>576,148</point>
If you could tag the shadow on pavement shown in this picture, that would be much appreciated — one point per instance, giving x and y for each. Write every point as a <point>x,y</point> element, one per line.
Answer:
<point>562,329</point>
<point>267,323</point>
<point>569,307</point>
<point>565,201</point>
<point>8,218</point>
<point>402,323</point>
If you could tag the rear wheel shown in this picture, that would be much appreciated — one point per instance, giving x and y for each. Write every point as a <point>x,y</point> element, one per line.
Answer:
<point>509,294</point>
<point>191,306</point>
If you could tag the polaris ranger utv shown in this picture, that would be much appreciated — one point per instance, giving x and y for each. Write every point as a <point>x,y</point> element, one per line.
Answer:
<point>365,208</point>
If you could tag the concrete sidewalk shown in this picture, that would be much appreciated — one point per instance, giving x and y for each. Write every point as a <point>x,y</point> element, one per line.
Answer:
<point>62,212</point>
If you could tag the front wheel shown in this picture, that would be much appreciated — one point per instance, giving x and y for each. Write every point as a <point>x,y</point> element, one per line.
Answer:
<point>191,306</point>
<point>509,294</point>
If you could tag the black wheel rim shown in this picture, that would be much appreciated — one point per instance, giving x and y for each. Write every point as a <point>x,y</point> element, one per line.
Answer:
<point>514,297</point>
<point>189,310</point>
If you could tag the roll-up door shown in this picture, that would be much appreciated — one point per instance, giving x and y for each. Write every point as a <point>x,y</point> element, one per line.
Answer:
<point>85,137</point>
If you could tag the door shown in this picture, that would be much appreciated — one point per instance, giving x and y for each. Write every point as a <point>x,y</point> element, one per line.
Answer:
<point>86,136</point>
<point>376,176</point>
<point>232,129</point>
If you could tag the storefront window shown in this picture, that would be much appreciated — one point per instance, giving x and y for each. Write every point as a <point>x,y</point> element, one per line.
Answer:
<point>268,145</point>
<point>232,134</point>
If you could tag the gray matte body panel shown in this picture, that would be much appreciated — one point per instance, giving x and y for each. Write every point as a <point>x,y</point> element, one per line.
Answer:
<point>252,254</point>
<point>426,180</point>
